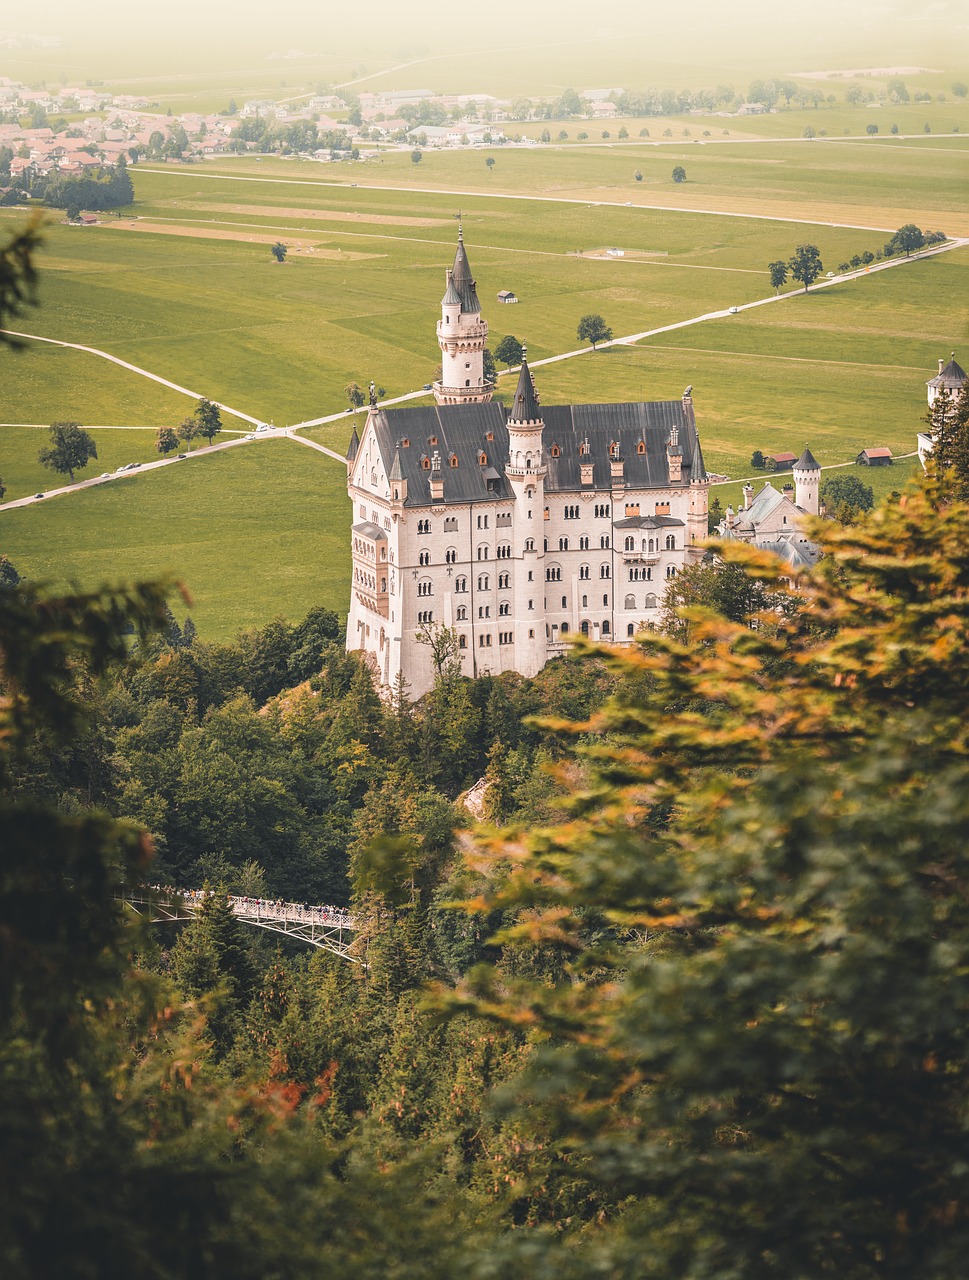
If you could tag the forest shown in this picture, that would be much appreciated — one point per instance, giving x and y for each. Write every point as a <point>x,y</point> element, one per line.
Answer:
<point>688,997</point>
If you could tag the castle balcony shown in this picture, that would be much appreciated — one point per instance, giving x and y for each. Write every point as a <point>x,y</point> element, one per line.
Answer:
<point>525,473</point>
<point>461,332</point>
<point>640,557</point>
<point>462,395</point>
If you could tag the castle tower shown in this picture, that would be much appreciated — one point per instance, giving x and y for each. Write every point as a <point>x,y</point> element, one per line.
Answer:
<point>462,334</point>
<point>525,473</point>
<point>951,378</point>
<point>807,481</point>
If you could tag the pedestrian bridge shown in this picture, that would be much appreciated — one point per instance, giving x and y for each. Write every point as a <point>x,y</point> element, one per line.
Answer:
<point>327,928</point>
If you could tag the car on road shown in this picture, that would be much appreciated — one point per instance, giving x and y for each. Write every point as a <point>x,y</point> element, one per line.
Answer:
<point>119,470</point>
<point>428,386</point>
<point>183,455</point>
<point>105,475</point>
<point>732,311</point>
<point>38,495</point>
<point>264,426</point>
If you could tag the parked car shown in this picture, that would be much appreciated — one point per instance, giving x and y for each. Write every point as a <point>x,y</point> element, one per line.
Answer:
<point>38,495</point>
<point>732,310</point>
<point>183,455</point>
<point>428,386</point>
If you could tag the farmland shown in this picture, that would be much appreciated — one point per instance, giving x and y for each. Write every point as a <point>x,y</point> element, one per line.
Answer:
<point>358,296</point>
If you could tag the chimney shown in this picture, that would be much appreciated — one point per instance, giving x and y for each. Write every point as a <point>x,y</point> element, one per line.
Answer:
<point>674,456</point>
<point>941,365</point>
<point>730,518</point>
<point>748,496</point>
<point>586,469</point>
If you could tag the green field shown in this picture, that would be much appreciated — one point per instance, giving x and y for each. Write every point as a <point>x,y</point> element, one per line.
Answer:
<point>253,533</point>
<point>358,297</point>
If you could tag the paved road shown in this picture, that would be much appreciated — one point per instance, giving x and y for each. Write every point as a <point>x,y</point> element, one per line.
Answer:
<point>90,483</point>
<point>632,338</point>
<point>290,432</point>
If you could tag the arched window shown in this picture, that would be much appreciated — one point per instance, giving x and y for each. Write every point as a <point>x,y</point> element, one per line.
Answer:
<point>630,544</point>
<point>424,558</point>
<point>630,630</point>
<point>450,556</point>
<point>641,447</point>
<point>605,628</point>
<point>482,456</point>
<point>553,573</point>
<point>529,544</point>
<point>425,462</point>
<point>564,628</point>
<point>462,642</point>
<point>555,451</point>
<point>484,582</point>
<point>614,449</point>
<point>604,542</point>
<point>584,628</point>
<point>671,571</point>
<point>460,584</point>
<point>605,571</point>
<point>453,460</point>
<point>462,613</point>
<point>584,571</point>
<point>651,601</point>
<point>423,526</point>
<point>504,609</point>
<point>482,552</point>
<point>630,602</point>
<point>425,587</point>
<point>504,581</point>
<point>503,551</point>
<point>670,542</point>
<point>563,544</point>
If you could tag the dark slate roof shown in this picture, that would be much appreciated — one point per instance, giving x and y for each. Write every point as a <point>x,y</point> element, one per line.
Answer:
<point>953,375</point>
<point>462,279</point>
<point>353,446</point>
<point>628,425</point>
<point>369,530</point>
<point>807,461</point>
<point>462,430</point>
<point>524,407</point>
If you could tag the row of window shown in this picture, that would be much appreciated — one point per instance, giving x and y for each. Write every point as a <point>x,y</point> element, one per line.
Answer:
<point>553,572</point>
<point>584,627</point>
<point>650,544</point>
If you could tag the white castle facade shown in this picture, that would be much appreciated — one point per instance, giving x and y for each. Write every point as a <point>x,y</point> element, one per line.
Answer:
<point>514,528</point>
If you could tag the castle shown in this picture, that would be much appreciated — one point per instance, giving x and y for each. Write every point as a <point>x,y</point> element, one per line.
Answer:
<point>772,521</point>
<point>514,528</point>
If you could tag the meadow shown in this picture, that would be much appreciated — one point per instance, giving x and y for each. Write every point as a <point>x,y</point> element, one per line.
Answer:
<point>358,297</point>
<point>253,533</point>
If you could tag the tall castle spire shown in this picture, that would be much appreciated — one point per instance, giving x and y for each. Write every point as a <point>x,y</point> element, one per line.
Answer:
<point>525,426</point>
<point>462,334</point>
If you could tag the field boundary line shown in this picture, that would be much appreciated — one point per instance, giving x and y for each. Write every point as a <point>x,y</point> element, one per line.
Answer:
<point>133,368</point>
<point>507,195</point>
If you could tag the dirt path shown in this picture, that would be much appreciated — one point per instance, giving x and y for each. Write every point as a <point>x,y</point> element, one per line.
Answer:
<point>144,373</point>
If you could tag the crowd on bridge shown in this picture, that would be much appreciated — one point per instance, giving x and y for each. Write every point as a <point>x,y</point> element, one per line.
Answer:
<point>265,908</point>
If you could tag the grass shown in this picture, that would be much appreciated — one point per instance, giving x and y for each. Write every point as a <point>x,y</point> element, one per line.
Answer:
<point>249,529</point>
<point>254,533</point>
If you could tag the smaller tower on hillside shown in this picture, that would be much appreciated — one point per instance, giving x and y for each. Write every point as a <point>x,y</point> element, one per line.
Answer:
<point>461,334</point>
<point>807,482</point>
<point>950,378</point>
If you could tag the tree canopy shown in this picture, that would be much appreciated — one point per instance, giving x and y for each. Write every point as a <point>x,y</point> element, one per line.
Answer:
<point>592,328</point>
<point>69,449</point>
<point>762,1041</point>
<point>509,350</point>
<point>806,264</point>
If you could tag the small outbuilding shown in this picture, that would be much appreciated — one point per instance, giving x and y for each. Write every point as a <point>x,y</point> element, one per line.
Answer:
<point>875,458</point>
<point>780,461</point>
<point>506,295</point>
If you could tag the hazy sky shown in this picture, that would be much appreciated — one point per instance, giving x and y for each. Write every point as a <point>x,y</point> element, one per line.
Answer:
<point>120,38</point>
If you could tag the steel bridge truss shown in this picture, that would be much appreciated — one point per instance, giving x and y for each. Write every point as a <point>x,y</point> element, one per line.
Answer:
<point>321,927</point>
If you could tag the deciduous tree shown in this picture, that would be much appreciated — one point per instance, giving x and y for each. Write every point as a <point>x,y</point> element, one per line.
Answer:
<point>279,251</point>
<point>679,174</point>
<point>209,419</point>
<point>592,328</point>
<point>806,264</point>
<point>778,274</point>
<point>509,350</point>
<point>166,440</point>
<point>70,448</point>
